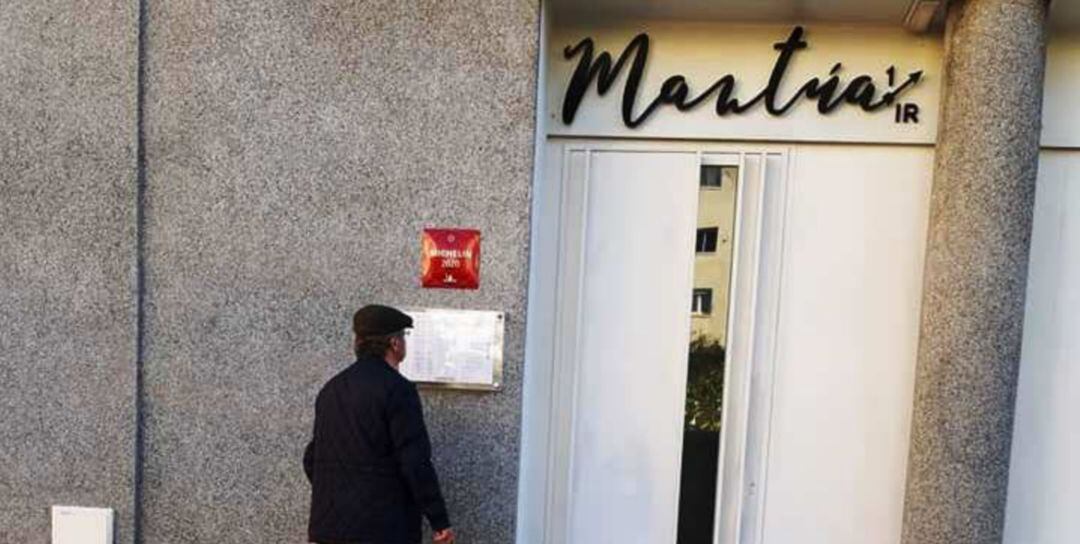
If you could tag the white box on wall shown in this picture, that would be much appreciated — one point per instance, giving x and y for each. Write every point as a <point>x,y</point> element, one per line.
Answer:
<point>77,525</point>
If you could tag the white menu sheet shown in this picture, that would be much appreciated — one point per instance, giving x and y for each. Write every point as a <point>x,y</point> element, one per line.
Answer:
<point>455,348</point>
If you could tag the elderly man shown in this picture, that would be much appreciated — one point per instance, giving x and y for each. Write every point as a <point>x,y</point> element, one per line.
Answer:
<point>369,461</point>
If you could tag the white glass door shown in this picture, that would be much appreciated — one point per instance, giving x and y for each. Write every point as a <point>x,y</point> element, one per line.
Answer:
<point>629,256</point>
<point>660,273</point>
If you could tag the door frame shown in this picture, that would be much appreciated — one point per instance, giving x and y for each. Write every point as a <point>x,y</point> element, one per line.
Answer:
<point>551,346</point>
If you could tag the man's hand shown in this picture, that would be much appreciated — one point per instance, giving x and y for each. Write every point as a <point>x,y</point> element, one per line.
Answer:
<point>445,536</point>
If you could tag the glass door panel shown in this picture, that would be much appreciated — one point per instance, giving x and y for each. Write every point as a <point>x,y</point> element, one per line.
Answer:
<point>706,360</point>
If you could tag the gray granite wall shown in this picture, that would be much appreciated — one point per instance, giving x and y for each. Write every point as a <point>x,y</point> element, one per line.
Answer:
<point>976,271</point>
<point>295,150</point>
<point>67,257</point>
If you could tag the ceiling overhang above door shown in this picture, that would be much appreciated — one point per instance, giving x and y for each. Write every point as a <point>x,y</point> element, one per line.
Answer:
<point>914,15</point>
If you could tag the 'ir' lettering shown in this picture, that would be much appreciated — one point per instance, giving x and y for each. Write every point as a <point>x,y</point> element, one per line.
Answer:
<point>907,113</point>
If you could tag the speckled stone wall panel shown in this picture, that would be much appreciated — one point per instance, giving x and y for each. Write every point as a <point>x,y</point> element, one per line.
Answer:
<point>295,151</point>
<point>976,270</point>
<point>67,255</point>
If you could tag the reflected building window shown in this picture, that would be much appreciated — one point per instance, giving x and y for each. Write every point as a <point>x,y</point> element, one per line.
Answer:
<point>702,302</point>
<point>706,239</point>
<point>716,177</point>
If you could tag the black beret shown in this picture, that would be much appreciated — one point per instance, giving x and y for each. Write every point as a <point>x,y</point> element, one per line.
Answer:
<point>377,320</point>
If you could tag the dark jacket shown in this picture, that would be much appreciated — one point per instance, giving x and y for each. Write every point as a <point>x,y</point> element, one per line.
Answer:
<point>369,461</point>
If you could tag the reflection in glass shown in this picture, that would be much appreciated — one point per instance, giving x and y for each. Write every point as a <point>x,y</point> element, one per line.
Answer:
<point>702,303</point>
<point>705,376</point>
<point>706,239</point>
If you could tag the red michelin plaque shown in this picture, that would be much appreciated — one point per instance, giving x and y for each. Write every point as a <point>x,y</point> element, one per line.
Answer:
<point>451,259</point>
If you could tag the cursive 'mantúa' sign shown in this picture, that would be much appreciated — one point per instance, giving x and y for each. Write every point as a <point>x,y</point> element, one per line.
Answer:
<point>829,92</point>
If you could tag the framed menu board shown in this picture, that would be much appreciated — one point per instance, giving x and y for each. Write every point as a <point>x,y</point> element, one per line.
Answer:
<point>455,349</point>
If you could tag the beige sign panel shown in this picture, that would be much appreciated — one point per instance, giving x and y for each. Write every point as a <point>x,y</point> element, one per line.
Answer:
<point>895,74</point>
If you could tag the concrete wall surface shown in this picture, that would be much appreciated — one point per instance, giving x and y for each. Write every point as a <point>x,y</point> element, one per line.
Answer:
<point>295,150</point>
<point>67,256</point>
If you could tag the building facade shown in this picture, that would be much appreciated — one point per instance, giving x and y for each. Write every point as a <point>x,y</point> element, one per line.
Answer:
<point>771,273</point>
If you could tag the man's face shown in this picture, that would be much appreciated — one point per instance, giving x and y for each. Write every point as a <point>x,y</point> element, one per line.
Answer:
<point>398,345</point>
